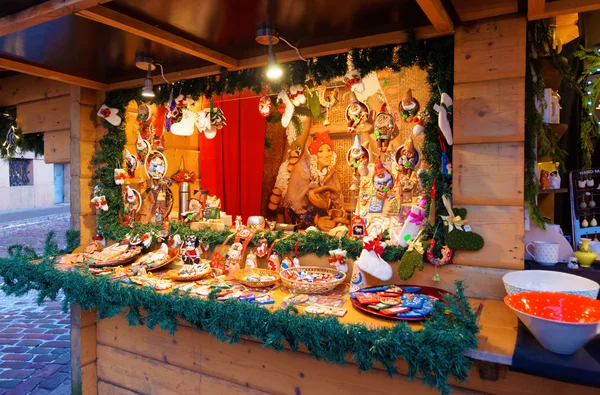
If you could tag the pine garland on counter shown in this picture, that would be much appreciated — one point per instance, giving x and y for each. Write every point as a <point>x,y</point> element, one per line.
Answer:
<point>437,352</point>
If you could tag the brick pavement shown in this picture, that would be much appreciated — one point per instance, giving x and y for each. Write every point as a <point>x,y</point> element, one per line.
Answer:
<point>34,340</point>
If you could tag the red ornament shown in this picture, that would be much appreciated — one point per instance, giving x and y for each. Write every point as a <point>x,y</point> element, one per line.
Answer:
<point>281,108</point>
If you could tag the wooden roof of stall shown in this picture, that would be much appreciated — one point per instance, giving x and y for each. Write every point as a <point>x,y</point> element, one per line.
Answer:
<point>94,43</point>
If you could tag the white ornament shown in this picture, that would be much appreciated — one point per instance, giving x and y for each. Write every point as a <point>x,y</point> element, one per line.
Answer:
<point>202,121</point>
<point>289,108</point>
<point>554,178</point>
<point>443,121</point>
<point>358,280</point>
<point>411,226</point>
<point>186,126</point>
<point>370,262</point>
<point>110,114</point>
<point>183,101</point>
<point>119,176</point>
<point>297,95</point>
<point>352,78</point>
<point>418,129</point>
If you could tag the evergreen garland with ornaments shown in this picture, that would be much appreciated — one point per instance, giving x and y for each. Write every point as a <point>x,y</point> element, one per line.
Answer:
<point>300,78</point>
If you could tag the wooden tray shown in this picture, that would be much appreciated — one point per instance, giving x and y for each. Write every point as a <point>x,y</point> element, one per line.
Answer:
<point>117,262</point>
<point>173,254</point>
<point>431,291</point>
<point>241,274</point>
<point>312,288</point>
<point>174,276</point>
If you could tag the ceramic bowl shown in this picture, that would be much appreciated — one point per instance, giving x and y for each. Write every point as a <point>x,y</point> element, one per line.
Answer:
<point>547,280</point>
<point>562,323</point>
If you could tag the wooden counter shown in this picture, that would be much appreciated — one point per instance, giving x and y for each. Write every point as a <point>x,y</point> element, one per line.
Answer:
<point>111,357</point>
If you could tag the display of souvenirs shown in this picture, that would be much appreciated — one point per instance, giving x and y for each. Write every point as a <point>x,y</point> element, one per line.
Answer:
<point>156,165</point>
<point>383,181</point>
<point>384,128</point>
<point>409,106</point>
<point>265,106</point>
<point>131,162</point>
<point>190,253</point>
<point>357,115</point>
<point>114,255</point>
<point>154,259</point>
<point>407,158</point>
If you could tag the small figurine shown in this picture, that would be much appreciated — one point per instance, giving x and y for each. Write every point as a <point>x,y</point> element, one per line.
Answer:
<point>382,180</point>
<point>251,261</point>
<point>384,128</point>
<point>407,157</point>
<point>573,263</point>
<point>554,180</point>
<point>409,106</point>
<point>190,254</point>
<point>274,262</point>
<point>357,115</point>
<point>238,221</point>
<point>544,179</point>
<point>234,255</point>
<point>286,263</point>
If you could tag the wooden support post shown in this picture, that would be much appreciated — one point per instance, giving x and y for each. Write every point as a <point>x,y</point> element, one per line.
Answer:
<point>489,119</point>
<point>83,140</point>
<point>83,351</point>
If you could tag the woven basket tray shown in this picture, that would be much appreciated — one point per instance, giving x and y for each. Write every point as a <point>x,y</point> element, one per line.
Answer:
<point>174,275</point>
<point>241,274</point>
<point>311,288</point>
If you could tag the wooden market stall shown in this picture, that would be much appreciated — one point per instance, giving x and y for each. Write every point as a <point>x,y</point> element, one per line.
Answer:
<point>96,56</point>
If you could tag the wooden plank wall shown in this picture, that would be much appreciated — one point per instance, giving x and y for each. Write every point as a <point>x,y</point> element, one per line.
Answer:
<point>83,351</point>
<point>42,107</point>
<point>489,121</point>
<point>82,147</point>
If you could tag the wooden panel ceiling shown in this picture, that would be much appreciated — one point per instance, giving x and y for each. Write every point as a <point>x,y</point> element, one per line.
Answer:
<point>8,7</point>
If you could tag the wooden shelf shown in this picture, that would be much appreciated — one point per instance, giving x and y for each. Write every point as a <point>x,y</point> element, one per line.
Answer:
<point>548,191</point>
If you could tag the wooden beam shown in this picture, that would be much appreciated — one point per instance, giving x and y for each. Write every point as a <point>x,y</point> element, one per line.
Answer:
<point>562,7</point>
<point>535,7</point>
<point>50,74</point>
<point>131,25</point>
<point>437,15</point>
<point>469,10</point>
<point>397,37</point>
<point>44,12</point>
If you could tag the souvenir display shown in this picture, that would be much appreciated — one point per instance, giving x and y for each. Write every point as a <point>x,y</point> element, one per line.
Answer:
<point>190,272</point>
<point>265,106</point>
<point>409,106</point>
<point>156,259</point>
<point>110,115</point>
<point>311,280</point>
<point>114,255</point>
<point>398,302</point>
<point>357,116</point>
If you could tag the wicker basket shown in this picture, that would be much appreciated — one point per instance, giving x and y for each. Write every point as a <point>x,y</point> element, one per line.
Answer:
<point>311,288</point>
<point>241,274</point>
<point>174,275</point>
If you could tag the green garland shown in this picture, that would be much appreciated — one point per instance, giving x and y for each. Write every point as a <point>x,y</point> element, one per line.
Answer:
<point>435,56</point>
<point>437,352</point>
<point>32,142</point>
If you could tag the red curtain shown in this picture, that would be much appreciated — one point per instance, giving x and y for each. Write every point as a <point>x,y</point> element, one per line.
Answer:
<point>231,164</point>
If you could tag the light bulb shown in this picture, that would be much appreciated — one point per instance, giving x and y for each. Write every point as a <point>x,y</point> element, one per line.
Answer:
<point>274,71</point>
<point>148,91</point>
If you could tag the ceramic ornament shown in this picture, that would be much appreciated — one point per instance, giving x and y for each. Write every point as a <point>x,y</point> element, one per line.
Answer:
<point>100,203</point>
<point>143,147</point>
<point>357,115</point>
<point>202,121</point>
<point>370,260</point>
<point>297,95</point>
<point>287,108</point>
<point>353,81</point>
<point>265,106</point>
<point>185,127</point>
<point>262,248</point>
<point>156,165</point>
<point>418,128</point>
<point>183,101</point>
<point>131,162</point>
<point>337,259</point>
<point>554,180</point>
<point>119,176</point>
<point>384,128</point>
<point>218,118</point>
<point>144,113</point>
<point>358,280</point>
<point>251,262</point>
<point>110,114</point>
<point>413,223</point>
<point>409,106</point>
<point>443,109</point>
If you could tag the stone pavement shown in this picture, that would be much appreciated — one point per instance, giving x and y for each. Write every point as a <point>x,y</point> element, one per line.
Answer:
<point>34,340</point>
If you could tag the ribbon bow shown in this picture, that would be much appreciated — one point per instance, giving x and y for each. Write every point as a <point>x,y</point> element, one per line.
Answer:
<point>374,245</point>
<point>452,220</point>
<point>417,218</point>
<point>105,112</point>
<point>298,92</point>
<point>415,245</point>
<point>351,82</point>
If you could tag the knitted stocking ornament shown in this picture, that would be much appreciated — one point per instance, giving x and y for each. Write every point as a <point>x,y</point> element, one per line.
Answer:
<point>412,258</point>
<point>370,259</point>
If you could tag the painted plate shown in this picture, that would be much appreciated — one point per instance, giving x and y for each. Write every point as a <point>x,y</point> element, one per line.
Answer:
<point>431,291</point>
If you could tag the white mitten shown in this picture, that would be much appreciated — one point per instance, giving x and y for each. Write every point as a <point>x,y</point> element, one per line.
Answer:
<point>372,263</point>
<point>289,108</point>
<point>186,126</point>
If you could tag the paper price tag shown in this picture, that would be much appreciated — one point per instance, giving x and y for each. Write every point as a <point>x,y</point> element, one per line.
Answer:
<point>467,228</point>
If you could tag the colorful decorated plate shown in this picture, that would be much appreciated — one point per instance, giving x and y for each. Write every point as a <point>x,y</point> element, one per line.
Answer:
<point>418,312</point>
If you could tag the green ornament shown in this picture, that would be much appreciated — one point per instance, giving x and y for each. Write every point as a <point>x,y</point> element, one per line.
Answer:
<point>404,116</point>
<point>356,165</point>
<point>376,133</point>
<point>407,237</point>
<point>461,239</point>
<point>410,261</point>
<point>385,189</point>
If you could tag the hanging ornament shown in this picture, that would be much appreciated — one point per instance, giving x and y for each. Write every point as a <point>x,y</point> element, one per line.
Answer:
<point>370,260</point>
<point>143,147</point>
<point>353,81</point>
<point>337,258</point>
<point>185,127</point>
<point>110,115</point>
<point>297,95</point>
<point>144,113</point>
<point>383,182</point>
<point>202,121</point>
<point>131,162</point>
<point>262,248</point>
<point>409,106</point>
<point>412,258</point>
<point>437,262</point>
<point>444,109</point>
<point>156,165</point>
<point>217,118</point>
<point>358,159</point>
<point>158,126</point>
<point>458,234</point>
<point>418,121</point>
<point>357,114</point>
<point>100,203</point>
<point>445,161</point>
<point>171,113</point>
<point>184,101</point>
<point>286,108</point>
<point>10,143</point>
<point>384,128</point>
<point>182,174</point>
<point>119,176</point>
<point>265,106</point>
<point>328,99</point>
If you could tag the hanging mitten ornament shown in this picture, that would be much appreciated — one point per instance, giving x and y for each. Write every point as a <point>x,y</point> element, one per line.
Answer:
<point>409,106</point>
<point>286,108</point>
<point>119,176</point>
<point>412,258</point>
<point>458,234</point>
<point>96,202</point>
<point>110,115</point>
<point>444,109</point>
<point>265,106</point>
<point>358,280</point>
<point>337,259</point>
<point>353,81</point>
<point>370,260</point>
<point>297,95</point>
<point>412,224</point>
